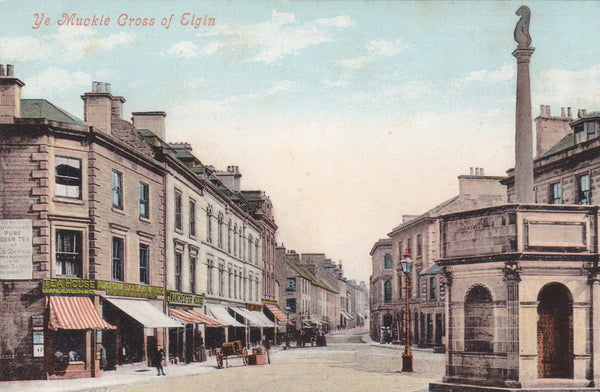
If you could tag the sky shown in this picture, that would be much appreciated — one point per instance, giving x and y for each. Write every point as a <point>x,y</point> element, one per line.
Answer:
<point>348,114</point>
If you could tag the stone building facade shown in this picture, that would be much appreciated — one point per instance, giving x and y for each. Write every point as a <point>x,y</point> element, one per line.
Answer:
<point>523,296</point>
<point>420,236</point>
<point>381,288</point>
<point>67,187</point>
<point>118,241</point>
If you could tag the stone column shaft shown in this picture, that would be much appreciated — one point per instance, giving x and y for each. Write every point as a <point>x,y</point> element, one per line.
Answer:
<point>523,134</point>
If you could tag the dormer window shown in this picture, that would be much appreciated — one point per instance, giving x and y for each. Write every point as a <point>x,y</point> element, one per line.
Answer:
<point>585,131</point>
<point>580,135</point>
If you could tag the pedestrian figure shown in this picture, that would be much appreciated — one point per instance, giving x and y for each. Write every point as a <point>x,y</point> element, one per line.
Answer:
<point>157,359</point>
<point>267,346</point>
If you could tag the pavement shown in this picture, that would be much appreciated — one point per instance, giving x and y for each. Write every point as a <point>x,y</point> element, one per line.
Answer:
<point>124,376</point>
<point>139,375</point>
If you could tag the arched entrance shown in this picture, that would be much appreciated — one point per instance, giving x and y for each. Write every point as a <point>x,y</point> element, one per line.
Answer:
<point>555,332</point>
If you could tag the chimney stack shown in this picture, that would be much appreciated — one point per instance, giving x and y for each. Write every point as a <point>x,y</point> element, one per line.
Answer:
<point>472,171</point>
<point>562,112</point>
<point>97,107</point>
<point>10,95</point>
<point>117,108</point>
<point>152,121</point>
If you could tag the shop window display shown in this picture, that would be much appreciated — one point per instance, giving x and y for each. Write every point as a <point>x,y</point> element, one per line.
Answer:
<point>69,346</point>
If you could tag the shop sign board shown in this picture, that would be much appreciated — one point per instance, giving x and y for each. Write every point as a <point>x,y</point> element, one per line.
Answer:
<point>88,286</point>
<point>176,298</point>
<point>254,307</point>
<point>16,249</point>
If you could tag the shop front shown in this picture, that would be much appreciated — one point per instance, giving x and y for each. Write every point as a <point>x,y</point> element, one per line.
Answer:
<point>191,343</point>
<point>234,329</point>
<point>279,317</point>
<point>256,323</point>
<point>70,342</point>
<point>140,327</point>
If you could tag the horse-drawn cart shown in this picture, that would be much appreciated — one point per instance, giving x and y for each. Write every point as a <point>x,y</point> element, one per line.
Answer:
<point>231,350</point>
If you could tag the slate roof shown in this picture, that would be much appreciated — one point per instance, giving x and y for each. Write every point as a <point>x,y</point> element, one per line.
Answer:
<point>310,277</point>
<point>41,108</point>
<point>565,143</point>
<point>435,269</point>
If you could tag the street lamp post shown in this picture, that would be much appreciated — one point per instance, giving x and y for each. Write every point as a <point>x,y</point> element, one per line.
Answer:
<point>407,358</point>
<point>287,327</point>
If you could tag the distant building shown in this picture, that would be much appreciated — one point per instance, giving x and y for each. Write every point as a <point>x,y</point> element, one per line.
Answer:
<point>420,236</point>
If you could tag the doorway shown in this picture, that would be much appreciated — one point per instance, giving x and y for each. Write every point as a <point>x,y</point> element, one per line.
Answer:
<point>555,332</point>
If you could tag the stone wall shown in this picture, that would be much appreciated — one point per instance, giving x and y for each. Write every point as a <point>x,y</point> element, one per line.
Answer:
<point>22,299</point>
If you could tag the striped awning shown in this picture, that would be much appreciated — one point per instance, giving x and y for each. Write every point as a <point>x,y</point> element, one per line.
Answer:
<point>194,317</point>
<point>278,313</point>
<point>209,321</point>
<point>75,313</point>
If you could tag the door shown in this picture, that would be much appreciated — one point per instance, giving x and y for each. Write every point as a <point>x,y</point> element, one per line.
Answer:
<point>555,332</point>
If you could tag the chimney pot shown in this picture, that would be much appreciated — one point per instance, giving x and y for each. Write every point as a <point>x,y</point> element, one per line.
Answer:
<point>578,113</point>
<point>1,70</point>
<point>562,112</point>
<point>548,110</point>
<point>10,70</point>
<point>569,114</point>
<point>472,171</point>
<point>542,110</point>
<point>482,172</point>
<point>584,111</point>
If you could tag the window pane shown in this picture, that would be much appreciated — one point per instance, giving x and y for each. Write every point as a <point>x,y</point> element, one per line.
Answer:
<point>117,190</point>
<point>144,200</point>
<point>117,259</point>
<point>68,177</point>
<point>144,264</point>
<point>69,255</point>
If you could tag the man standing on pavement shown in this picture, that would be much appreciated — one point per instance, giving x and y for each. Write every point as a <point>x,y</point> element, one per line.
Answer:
<point>157,359</point>
<point>267,347</point>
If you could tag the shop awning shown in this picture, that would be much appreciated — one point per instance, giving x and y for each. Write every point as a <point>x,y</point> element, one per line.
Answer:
<point>220,313</point>
<point>255,318</point>
<point>75,313</point>
<point>144,312</point>
<point>280,314</point>
<point>194,317</point>
<point>209,321</point>
<point>346,315</point>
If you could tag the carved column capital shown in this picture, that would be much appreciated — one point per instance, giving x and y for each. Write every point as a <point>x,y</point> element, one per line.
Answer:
<point>512,273</point>
<point>447,280</point>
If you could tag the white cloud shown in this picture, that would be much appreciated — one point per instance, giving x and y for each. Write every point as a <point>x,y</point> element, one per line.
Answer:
<point>184,49</point>
<point>503,74</point>
<point>411,90</point>
<point>22,48</point>
<point>375,50</point>
<point>336,83</point>
<point>560,87</point>
<point>286,86</point>
<point>71,42</point>
<point>204,106</point>
<point>54,79</point>
<point>273,40</point>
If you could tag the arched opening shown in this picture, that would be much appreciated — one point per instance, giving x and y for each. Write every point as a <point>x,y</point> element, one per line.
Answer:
<point>555,332</point>
<point>478,320</point>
